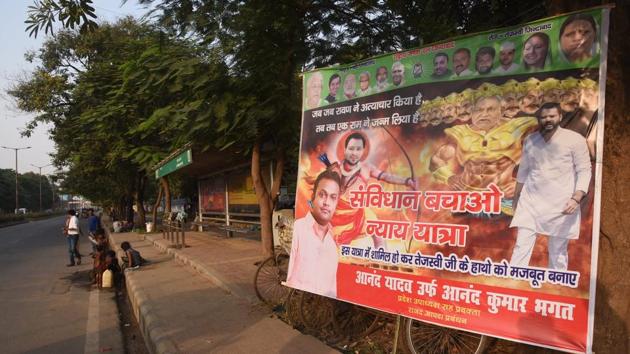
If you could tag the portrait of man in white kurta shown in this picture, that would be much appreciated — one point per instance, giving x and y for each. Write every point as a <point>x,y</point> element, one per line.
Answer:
<point>552,180</point>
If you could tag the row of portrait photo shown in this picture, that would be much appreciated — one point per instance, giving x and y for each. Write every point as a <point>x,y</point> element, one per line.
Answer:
<point>574,44</point>
<point>518,99</point>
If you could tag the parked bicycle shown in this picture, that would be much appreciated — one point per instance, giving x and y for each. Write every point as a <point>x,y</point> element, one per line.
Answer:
<point>345,320</point>
<point>350,322</point>
<point>273,271</point>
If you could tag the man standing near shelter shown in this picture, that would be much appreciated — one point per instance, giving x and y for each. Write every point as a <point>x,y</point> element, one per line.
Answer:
<point>314,257</point>
<point>93,225</point>
<point>552,181</point>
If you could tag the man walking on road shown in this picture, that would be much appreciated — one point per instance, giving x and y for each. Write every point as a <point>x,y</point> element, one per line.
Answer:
<point>72,235</point>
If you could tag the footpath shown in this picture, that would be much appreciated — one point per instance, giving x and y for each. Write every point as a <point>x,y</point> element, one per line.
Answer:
<point>201,299</point>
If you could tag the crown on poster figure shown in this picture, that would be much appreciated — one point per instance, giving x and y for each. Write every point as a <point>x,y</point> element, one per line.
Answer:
<point>428,109</point>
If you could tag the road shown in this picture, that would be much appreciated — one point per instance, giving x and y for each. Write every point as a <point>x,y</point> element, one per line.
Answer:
<point>47,307</point>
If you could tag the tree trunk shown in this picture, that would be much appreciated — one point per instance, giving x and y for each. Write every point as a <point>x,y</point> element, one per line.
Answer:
<point>129,208</point>
<point>139,199</point>
<point>277,177</point>
<point>612,308</point>
<point>158,200</point>
<point>264,203</point>
<point>266,200</point>
<point>120,209</point>
<point>167,194</point>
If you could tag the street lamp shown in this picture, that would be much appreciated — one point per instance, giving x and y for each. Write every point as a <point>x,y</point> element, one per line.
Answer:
<point>52,189</point>
<point>17,203</point>
<point>40,184</point>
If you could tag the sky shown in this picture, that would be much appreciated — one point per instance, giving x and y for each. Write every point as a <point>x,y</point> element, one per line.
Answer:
<point>15,42</point>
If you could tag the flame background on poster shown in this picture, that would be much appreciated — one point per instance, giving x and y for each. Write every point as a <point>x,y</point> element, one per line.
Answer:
<point>487,237</point>
<point>400,149</point>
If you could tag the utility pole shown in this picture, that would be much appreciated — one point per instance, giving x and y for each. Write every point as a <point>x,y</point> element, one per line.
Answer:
<point>40,185</point>
<point>52,189</point>
<point>17,200</point>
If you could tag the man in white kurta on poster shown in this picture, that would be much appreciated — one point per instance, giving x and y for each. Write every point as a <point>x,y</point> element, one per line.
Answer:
<point>314,257</point>
<point>552,181</point>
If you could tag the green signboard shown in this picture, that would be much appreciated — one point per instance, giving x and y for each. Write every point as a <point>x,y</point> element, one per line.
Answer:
<point>174,164</point>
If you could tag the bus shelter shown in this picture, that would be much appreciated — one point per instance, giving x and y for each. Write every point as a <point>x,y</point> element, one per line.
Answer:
<point>226,197</point>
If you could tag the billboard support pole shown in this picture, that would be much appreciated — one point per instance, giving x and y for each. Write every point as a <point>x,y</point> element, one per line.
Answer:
<point>396,332</point>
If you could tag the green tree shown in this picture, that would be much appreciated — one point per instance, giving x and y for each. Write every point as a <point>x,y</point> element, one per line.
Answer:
<point>28,190</point>
<point>287,36</point>
<point>7,190</point>
<point>121,98</point>
<point>77,86</point>
<point>71,13</point>
<point>267,44</point>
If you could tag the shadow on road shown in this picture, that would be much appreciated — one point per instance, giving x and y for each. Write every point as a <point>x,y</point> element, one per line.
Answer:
<point>78,279</point>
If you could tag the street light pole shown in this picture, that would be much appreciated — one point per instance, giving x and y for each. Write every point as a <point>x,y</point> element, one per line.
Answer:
<point>17,202</point>
<point>52,189</point>
<point>40,184</point>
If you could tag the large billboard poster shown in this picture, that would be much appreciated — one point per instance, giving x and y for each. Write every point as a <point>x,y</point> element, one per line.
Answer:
<point>459,183</point>
<point>241,192</point>
<point>212,195</point>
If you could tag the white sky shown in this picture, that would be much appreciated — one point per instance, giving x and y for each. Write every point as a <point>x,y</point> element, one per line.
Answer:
<point>15,42</point>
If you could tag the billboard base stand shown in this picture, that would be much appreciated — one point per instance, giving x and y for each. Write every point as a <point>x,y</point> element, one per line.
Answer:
<point>396,332</point>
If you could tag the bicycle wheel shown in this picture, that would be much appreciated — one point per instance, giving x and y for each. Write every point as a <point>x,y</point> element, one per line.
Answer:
<point>268,280</point>
<point>425,338</point>
<point>354,321</point>
<point>315,311</point>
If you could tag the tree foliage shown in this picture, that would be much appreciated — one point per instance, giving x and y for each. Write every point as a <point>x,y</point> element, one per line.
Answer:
<point>267,44</point>
<point>242,87</point>
<point>219,73</point>
<point>71,13</point>
<point>120,98</point>
<point>263,46</point>
<point>28,191</point>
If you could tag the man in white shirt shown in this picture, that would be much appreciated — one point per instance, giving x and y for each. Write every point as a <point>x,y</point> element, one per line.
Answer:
<point>506,59</point>
<point>381,79</point>
<point>484,59</point>
<point>398,74</point>
<point>72,231</point>
<point>461,62</point>
<point>356,174</point>
<point>552,181</point>
<point>314,91</point>
<point>440,66</point>
<point>364,85</point>
<point>314,257</point>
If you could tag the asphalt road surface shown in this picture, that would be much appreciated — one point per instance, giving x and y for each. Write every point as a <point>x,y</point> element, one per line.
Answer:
<point>46,307</point>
